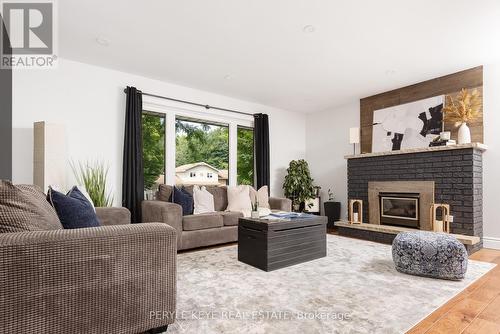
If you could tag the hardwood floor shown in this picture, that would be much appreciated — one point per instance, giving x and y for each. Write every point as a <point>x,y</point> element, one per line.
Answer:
<point>474,310</point>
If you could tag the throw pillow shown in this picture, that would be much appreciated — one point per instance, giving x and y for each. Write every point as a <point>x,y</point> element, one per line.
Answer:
<point>24,208</point>
<point>220,197</point>
<point>164,193</point>
<point>74,209</point>
<point>261,196</point>
<point>184,199</point>
<point>238,199</point>
<point>203,200</point>
<point>82,190</point>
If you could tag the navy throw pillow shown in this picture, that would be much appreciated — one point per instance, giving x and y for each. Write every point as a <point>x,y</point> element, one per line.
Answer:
<point>184,199</point>
<point>73,209</point>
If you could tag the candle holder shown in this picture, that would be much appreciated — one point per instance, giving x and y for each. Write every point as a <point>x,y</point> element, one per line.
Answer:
<point>355,211</point>
<point>444,224</point>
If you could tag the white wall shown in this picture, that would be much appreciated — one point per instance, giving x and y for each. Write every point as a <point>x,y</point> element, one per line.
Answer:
<point>491,158</point>
<point>90,102</point>
<point>327,139</point>
<point>327,143</point>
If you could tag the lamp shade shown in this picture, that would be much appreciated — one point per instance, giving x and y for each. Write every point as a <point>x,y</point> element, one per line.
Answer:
<point>354,136</point>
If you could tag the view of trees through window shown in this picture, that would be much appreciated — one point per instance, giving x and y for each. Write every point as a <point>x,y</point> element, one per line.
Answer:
<point>245,156</point>
<point>201,152</point>
<point>153,141</point>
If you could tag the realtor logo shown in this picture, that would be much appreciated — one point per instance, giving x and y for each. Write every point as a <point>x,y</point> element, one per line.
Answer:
<point>28,34</point>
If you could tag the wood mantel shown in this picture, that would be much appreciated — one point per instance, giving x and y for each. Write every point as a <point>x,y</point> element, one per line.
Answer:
<point>479,146</point>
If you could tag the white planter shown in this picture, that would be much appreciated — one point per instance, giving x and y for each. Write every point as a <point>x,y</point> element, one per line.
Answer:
<point>254,214</point>
<point>464,134</point>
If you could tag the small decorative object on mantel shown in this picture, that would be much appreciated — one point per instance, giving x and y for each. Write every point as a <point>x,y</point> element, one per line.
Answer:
<point>355,211</point>
<point>465,108</point>
<point>443,140</point>
<point>444,224</point>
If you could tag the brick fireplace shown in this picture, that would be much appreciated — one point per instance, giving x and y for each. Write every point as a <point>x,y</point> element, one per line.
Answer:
<point>451,175</point>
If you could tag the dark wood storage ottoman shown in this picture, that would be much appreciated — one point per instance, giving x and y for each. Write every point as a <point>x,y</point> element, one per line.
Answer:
<point>271,244</point>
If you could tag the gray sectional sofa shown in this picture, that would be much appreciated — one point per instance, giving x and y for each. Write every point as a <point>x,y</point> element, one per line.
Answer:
<point>202,229</point>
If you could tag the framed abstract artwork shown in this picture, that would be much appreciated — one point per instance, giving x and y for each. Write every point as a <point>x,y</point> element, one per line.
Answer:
<point>409,125</point>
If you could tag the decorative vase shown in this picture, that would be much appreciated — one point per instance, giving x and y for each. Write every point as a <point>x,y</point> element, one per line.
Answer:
<point>464,134</point>
<point>254,214</point>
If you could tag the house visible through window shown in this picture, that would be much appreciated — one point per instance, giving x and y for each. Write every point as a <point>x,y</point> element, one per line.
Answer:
<point>153,138</point>
<point>201,152</point>
<point>245,156</point>
<point>201,148</point>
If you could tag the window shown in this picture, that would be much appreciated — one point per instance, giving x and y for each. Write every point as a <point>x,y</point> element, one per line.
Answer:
<point>192,174</point>
<point>153,138</point>
<point>210,175</point>
<point>201,148</point>
<point>245,156</point>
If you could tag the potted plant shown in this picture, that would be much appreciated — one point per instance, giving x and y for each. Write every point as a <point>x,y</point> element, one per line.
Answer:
<point>464,108</point>
<point>93,176</point>
<point>332,209</point>
<point>298,184</point>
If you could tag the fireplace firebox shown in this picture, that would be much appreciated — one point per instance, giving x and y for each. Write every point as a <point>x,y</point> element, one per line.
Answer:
<point>400,209</point>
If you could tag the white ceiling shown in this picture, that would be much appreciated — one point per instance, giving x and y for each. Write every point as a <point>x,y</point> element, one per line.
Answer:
<point>358,48</point>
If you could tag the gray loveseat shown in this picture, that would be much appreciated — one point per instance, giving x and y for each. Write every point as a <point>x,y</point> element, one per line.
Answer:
<point>202,229</point>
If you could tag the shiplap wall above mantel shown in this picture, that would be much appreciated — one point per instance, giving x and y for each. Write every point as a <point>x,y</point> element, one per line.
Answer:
<point>447,85</point>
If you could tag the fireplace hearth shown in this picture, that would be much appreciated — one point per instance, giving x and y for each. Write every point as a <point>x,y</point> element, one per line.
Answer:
<point>399,209</point>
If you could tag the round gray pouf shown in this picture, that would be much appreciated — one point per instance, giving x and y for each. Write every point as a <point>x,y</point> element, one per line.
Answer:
<point>430,254</point>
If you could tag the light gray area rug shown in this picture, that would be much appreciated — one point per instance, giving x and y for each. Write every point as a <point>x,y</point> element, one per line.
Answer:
<point>355,289</point>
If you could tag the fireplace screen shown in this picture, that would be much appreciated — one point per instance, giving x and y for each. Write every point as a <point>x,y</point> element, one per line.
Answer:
<point>400,209</point>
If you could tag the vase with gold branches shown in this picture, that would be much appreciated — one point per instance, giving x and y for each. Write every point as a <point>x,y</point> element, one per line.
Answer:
<point>465,108</point>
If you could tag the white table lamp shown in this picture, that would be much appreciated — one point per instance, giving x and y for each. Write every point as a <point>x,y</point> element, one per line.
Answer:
<point>354,137</point>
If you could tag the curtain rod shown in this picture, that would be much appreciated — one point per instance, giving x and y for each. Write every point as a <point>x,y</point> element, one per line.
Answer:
<point>206,106</point>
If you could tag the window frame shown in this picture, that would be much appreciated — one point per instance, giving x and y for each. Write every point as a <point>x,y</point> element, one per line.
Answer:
<point>164,116</point>
<point>173,110</point>
<point>253,151</point>
<point>212,123</point>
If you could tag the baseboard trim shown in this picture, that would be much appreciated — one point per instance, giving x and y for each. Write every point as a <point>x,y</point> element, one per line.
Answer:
<point>490,242</point>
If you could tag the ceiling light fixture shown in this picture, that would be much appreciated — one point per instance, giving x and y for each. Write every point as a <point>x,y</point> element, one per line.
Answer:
<point>102,41</point>
<point>308,29</point>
